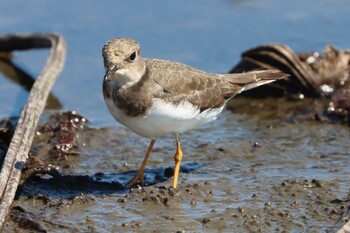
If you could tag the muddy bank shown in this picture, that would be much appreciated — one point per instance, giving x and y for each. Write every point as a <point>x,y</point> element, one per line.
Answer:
<point>264,165</point>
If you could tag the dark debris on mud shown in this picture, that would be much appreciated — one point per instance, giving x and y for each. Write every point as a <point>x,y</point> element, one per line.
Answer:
<point>298,111</point>
<point>63,128</point>
<point>53,184</point>
<point>26,221</point>
<point>311,74</point>
<point>56,140</point>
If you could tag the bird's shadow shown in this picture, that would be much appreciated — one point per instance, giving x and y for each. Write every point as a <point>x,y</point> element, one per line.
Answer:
<point>52,184</point>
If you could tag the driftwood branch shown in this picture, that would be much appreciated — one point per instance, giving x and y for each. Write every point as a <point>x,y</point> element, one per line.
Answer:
<point>21,141</point>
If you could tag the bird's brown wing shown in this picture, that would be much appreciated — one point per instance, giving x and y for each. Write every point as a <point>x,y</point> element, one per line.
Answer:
<point>178,82</point>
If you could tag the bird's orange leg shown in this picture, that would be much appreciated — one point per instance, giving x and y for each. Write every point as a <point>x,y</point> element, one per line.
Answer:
<point>177,158</point>
<point>139,175</point>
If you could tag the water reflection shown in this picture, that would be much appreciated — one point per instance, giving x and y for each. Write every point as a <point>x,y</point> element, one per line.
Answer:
<point>21,78</point>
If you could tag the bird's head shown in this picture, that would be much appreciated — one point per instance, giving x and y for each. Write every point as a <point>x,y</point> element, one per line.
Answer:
<point>123,62</point>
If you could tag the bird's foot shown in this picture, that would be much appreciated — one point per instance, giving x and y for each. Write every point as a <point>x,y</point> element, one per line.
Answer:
<point>137,179</point>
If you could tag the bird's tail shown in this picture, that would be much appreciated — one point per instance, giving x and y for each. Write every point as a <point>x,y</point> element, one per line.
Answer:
<point>253,79</point>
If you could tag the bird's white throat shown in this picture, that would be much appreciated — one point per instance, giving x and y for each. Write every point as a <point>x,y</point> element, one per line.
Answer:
<point>125,77</point>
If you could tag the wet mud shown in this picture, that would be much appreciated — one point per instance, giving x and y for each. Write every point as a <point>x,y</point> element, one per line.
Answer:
<point>264,165</point>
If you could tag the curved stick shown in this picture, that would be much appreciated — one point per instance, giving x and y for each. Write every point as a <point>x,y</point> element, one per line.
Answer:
<point>22,139</point>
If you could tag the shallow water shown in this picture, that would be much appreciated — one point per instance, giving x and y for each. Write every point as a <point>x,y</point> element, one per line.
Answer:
<point>206,34</point>
<point>262,166</point>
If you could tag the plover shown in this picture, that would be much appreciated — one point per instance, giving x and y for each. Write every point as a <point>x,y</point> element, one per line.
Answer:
<point>155,97</point>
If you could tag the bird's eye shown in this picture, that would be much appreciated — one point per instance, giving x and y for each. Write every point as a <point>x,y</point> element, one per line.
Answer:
<point>132,56</point>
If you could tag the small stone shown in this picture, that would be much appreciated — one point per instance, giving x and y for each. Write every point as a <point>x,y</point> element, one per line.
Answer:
<point>207,183</point>
<point>138,224</point>
<point>188,191</point>
<point>205,220</point>
<point>256,145</point>
<point>317,183</point>
<point>182,231</point>
<point>121,200</point>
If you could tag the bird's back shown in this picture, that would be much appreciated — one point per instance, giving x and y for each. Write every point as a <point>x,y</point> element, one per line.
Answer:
<point>178,82</point>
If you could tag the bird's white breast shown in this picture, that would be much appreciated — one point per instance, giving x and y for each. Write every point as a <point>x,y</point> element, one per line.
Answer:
<point>164,117</point>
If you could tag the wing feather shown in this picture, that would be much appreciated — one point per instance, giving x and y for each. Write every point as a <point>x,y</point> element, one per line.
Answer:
<point>178,82</point>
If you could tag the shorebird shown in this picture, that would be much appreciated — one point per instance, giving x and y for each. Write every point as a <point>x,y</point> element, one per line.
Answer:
<point>155,97</point>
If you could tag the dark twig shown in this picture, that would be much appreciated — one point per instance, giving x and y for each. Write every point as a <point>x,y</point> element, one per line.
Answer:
<point>22,78</point>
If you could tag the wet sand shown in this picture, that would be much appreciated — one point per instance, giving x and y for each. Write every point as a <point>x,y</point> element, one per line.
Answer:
<point>263,166</point>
